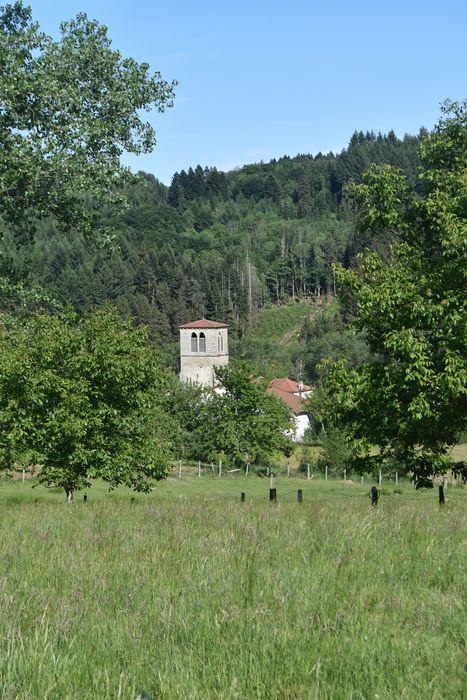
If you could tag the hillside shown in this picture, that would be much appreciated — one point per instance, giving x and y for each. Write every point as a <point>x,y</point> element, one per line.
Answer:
<point>214,244</point>
<point>273,342</point>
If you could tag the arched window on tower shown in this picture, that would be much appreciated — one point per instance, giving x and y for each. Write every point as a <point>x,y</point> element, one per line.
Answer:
<point>202,342</point>
<point>194,342</point>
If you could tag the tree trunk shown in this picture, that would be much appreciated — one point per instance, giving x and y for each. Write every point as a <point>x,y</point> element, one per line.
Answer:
<point>69,493</point>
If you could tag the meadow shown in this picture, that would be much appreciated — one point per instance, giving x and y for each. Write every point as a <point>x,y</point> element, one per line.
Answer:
<point>188,593</point>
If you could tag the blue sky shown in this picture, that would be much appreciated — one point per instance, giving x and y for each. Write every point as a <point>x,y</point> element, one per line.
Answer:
<point>262,79</point>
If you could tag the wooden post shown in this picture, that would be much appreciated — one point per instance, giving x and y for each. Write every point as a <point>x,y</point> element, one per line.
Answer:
<point>441,495</point>
<point>288,468</point>
<point>85,498</point>
<point>273,495</point>
<point>308,476</point>
<point>199,468</point>
<point>345,474</point>
<point>247,467</point>
<point>380,478</point>
<point>242,497</point>
<point>220,468</point>
<point>300,496</point>
<point>397,478</point>
<point>326,477</point>
<point>24,474</point>
<point>180,469</point>
<point>362,479</point>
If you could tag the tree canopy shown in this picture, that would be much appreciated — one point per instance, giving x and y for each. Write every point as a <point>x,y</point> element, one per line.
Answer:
<point>243,424</point>
<point>410,398</point>
<point>69,108</point>
<point>83,399</point>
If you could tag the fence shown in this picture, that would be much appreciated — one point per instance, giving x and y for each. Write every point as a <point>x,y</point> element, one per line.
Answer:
<point>303,485</point>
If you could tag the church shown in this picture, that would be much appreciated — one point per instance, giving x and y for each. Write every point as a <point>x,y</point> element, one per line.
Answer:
<point>204,345</point>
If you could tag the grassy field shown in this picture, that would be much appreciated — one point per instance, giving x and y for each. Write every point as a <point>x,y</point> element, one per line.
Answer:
<point>188,593</point>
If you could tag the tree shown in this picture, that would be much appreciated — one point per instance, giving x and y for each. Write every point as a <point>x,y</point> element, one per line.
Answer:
<point>410,398</point>
<point>69,109</point>
<point>84,398</point>
<point>244,423</point>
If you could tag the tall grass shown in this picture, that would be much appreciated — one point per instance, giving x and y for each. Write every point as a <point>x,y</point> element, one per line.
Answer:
<point>208,598</point>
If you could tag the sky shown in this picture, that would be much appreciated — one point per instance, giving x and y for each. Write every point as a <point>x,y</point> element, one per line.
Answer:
<point>261,79</point>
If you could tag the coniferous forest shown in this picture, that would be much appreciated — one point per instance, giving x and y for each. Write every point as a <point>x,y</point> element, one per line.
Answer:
<point>217,244</point>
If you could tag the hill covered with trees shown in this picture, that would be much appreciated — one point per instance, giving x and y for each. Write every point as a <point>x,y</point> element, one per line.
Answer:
<point>217,244</point>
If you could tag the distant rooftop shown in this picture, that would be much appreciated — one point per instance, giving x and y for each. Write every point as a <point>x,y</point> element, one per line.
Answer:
<point>287,390</point>
<point>203,323</point>
<point>297,404</point>
<point>289,385</point>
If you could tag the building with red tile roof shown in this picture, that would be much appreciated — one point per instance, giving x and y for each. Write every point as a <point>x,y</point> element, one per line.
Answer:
<point>295,395</point>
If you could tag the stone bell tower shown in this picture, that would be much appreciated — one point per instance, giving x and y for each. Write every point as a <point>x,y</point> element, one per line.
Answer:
<point>203,345</point>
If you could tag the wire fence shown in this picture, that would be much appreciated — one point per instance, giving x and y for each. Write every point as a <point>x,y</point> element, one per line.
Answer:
<point>299,483</point>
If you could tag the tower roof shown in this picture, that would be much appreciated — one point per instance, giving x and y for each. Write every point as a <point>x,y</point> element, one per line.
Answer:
<point>203,323</point>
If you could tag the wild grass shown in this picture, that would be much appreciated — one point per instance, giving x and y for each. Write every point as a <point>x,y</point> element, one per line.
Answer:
<point>188,593</point>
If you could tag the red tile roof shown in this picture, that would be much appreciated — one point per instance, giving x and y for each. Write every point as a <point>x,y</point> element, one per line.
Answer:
<point>203,323</point>
<point>288,385</point>
<point>296,403</point>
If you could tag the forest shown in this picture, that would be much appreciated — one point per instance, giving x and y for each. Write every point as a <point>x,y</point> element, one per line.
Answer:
<point>212,244</point>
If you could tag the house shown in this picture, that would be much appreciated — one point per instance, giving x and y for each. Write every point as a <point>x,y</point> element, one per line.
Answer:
<point>204,344</point>
<point>295,395</point>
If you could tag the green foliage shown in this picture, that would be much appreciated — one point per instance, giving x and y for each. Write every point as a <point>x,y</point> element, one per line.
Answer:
<point>336,450</point>
<point>84,398</point>
<point>410,399</point>
<point>244,424</point>
<point>326,336</point>
<point>273,342</point>
<point>69,109</point>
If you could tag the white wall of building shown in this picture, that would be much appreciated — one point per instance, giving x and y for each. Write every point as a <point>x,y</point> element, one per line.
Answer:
<point>301,424</point>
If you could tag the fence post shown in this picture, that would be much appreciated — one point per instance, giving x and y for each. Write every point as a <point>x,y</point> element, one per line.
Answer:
<point>300,496</point>
<point>308,476</point>
<point>374,494</point>
<point>362,479</point>
<point>380,478</point>
<point>441,495</point>
<point>397,478</point>
<point>199,468</point>
<point>326,477</point>
<point>180,469</point>
<point>345,474</point>
<point>24,474</point>
<point>220,468</point>
<point>288,468</point>
<point>272,495</point>
<point>242,497</point>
